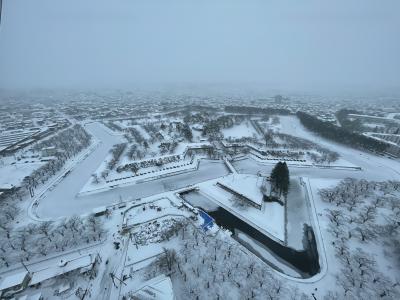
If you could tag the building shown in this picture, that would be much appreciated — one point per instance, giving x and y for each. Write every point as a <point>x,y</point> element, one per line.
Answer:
<point>100,211</point>
<point>6,187</point>
<point>11,141</point>
<point>84,262</point>
<point>157,288</point>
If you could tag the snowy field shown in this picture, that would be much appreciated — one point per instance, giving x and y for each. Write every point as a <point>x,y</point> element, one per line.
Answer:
<point>14,174</point>
<point>245,129</point>
<point>247,185</point>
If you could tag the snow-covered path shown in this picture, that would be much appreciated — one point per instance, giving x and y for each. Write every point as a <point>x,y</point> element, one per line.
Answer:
<point>62,200</point>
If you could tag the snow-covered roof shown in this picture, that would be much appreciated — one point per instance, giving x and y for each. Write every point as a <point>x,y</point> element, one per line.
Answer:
<point>57,270</point>
<point>157,288</point>
<point>13,280</point>
<point>6,186</point>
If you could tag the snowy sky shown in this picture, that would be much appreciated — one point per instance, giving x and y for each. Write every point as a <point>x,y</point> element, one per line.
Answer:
<point>281,44</point>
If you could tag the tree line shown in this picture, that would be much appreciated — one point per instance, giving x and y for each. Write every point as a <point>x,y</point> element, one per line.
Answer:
<point>217,267</point>
<point>38,240</point>
<point>68,143</point>
<point>256,110</point>
<point>340,134</point>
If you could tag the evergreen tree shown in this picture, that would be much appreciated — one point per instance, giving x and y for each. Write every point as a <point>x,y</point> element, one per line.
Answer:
<point>187,132</point>
<point>280,178</point>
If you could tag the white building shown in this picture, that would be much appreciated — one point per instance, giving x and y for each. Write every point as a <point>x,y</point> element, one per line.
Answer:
<point>157,288</point>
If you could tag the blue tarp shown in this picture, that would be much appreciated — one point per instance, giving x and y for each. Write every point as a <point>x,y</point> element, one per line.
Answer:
<point>208,222</point>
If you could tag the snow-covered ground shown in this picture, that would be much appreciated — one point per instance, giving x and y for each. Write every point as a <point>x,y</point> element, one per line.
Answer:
<point>247,185</point>
<point>15,173</point>
<point>169,169</point>
<point>245,129</point>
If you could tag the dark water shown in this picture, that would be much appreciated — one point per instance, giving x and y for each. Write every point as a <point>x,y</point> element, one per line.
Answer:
<point>305,262</point>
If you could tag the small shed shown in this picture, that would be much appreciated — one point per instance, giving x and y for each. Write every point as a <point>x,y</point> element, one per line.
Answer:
<point>100,211</point>
<point>121,205</point>
<point>6,187</point>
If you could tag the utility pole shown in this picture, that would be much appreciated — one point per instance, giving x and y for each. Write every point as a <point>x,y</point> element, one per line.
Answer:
<point>22,262</point>
<point>114,276</point>
<point>31,191</point>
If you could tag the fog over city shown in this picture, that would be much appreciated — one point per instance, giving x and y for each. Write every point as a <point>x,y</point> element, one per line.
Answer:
<point>307,45</point>
<point>190,150</point>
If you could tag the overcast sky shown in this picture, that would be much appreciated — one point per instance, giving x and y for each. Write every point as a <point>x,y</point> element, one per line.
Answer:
<point>303,45</point>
